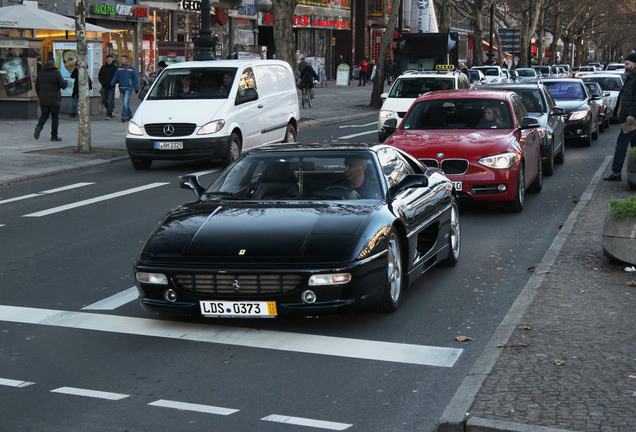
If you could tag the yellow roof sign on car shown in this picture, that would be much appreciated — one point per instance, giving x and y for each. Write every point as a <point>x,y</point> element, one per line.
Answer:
<point>444,67</point>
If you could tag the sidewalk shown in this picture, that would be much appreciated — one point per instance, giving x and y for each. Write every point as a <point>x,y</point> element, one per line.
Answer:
<point>23,157</point>
<point>563,359</point>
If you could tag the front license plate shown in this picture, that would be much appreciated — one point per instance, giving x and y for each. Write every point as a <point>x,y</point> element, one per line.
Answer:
<point>169,145</point>
<point>230,309</point>
<point>457,185</point>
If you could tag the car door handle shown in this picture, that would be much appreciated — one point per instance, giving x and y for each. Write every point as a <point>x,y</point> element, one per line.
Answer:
<point>260,105</point>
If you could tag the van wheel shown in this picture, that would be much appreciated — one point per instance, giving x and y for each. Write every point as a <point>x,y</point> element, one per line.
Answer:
<point>290,134</point>
<point>234,149</point>
<point>141,164</point>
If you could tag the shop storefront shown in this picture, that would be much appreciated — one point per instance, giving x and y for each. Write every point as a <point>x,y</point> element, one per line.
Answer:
<point>323,31</point>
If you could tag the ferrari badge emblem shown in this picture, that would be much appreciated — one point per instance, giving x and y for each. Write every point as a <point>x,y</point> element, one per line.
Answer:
<point>242,252</point>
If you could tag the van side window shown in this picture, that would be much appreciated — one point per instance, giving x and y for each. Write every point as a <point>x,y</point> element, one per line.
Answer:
<point>247,81</point>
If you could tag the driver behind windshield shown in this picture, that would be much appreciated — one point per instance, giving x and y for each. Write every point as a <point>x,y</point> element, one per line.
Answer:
<point>356,173</point>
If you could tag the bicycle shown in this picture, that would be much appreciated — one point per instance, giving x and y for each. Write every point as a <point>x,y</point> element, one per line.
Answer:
<point>307,97</point>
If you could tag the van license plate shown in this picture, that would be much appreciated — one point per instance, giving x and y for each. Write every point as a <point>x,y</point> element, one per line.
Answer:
<point>169,145</point>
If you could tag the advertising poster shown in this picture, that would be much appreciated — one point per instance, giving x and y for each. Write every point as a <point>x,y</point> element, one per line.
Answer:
<point>65,55</point>
<point>14,73</point>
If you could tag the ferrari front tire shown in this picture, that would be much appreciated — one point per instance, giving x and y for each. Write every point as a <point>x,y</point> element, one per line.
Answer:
<point>454,236</point>
<point>394,278</point>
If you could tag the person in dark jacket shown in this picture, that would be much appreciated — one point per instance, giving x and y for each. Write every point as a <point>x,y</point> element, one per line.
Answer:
<point>106,74</point>
<point>75,95</point>
<point>626,117</point>
<point>48,85</point>
<point>128,80</point>
<point>307,77</point>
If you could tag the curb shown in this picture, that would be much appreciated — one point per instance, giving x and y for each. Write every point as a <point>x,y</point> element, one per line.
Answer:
<point>456,417</point>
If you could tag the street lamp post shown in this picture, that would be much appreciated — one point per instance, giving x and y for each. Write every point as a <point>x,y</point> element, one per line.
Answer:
<point>205,43</point>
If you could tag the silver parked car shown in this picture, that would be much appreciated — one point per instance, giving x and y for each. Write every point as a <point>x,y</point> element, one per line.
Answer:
<point>609,82</point>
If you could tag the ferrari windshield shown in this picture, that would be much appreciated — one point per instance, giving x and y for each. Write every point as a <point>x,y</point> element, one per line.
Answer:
<point>296,176</point>
<point>458,114</point>
<point>193,83</point>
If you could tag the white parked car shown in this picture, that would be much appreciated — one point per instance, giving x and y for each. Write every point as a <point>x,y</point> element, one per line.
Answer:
<point>493,74</point>
<point>526,74</point>
<point>611,83</point>
<point>213,110</point>
<point>411,84</point>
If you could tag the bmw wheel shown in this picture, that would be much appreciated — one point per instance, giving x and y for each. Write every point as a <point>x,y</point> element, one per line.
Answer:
<point>548,168</point>
<point>394,282</point>
<point>516,205</point>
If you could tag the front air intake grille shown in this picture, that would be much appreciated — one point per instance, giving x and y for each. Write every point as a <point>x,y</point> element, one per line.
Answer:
<point>454,166</point>
<point>247,284</point>
<point>170,130</point>
<point>431,163</point>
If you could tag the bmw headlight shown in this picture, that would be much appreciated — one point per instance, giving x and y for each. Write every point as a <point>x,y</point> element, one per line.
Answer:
<point>579,115</point>
<point>500,161</point>
<point>134,129</point>
<point>212,127</point>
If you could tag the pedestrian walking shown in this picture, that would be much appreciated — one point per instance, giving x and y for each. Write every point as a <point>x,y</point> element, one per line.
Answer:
<point>75,94</point>
<point>126,77</point>
<point>47,86</point>
<point>106,74</point>
<point>462,68</point>
<point>364,69</point>
<point>626,117</point>
<point>147,80</point>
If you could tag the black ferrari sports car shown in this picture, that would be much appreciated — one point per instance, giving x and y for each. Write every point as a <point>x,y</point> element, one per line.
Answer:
<point>301,229</point>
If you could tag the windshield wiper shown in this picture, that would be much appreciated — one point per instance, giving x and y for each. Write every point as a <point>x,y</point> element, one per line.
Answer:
<point>232,195</point>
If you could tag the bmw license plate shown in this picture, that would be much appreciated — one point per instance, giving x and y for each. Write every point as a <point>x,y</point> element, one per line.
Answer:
<point>235,309</point>
<point>457,185</point>
<point>168,145</point>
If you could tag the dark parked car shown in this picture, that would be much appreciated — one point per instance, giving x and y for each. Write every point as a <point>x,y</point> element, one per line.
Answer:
<point>605,108</point>
<point>582,120</point>
<point>291,229</point>
<point>540,104</point>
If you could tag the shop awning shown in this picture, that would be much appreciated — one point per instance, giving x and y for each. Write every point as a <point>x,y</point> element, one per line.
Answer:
<point>27,17</point>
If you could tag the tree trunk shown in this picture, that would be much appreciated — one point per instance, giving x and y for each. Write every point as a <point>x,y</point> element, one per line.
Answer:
<point>444,10</point>
<point>83,102</point>
<point>378,84</point>
<point>284,39</point>
<point>478,36</point>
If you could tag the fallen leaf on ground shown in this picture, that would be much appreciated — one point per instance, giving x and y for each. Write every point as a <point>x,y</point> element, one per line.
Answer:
<point>531,268</point>
<point>512,345</point>
<point>525,327</point>
<point>463,339</point>
<point>542,272</point>
<point>632,376</point>
<point>558,362</point>
<point>631,284</point>
<point>584,291</point>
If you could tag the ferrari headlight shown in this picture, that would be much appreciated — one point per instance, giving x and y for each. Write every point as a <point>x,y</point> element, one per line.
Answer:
<point>212,127</point>
<point>329,279</point>
<point>500,161</point>
<point>152,278</point>
<point>134,129</point>
<point>579,115</point>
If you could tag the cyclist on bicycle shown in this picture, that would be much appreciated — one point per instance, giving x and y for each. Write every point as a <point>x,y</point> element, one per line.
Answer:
<point>307,76</point>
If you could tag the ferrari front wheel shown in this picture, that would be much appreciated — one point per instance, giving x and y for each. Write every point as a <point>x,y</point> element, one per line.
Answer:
<point>394,278</point>
<point>454,236</point>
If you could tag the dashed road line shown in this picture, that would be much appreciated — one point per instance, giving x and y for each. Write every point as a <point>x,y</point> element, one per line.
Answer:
<point>95,200</point>
<point>253,338</point>
<point>375,123</point>
<point>90,393</point>
<point>14,383</point>
<point>46,192</point>
<point>357,135</point>
<point>184,406</point>
<point>115,301</point>
<point>300,421</point>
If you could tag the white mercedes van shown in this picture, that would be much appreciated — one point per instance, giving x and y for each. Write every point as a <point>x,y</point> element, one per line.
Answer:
<point>213,110</point>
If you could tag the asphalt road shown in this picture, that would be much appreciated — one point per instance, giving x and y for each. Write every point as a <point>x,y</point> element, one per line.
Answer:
<point>89,358</point>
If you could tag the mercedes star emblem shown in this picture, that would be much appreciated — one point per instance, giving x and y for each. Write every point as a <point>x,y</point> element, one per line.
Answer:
<point>168,129</point>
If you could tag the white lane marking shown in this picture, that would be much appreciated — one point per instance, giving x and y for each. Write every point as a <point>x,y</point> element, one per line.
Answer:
<point>1,225</point>
<point>95,200</point>
<point>46,192</point>
<point>90,393</point>
<point>200,173</point>
<point>358,126</point>
<point>115,301</point>
<point>300,421</point>
<point>183,406</point>
<point>357,135</point>
<point>15,383</point>
<point>283,341</point>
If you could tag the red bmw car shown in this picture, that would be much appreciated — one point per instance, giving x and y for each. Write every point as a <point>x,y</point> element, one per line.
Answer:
<point>483,140</point>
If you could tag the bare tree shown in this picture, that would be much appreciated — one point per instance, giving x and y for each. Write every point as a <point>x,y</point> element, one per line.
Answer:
<point>474,11</point>
<point>378,84</point>
<point>283,32</point>
<point>83,103</point>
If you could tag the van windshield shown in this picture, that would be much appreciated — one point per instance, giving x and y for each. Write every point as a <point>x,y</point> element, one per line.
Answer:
<point>193,83</point>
